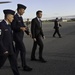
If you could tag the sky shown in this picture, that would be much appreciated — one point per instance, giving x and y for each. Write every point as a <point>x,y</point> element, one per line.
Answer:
<point>50,8</point>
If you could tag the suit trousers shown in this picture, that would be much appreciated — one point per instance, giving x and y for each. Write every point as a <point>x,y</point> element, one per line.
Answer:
<point>57,31</point>
<point>40,44</point>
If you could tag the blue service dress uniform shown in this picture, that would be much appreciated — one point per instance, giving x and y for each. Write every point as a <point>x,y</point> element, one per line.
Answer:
<point>6,44</point>
<point>18,35</point>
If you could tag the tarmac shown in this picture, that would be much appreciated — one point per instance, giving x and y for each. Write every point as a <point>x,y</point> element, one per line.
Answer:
<point>59,53</point>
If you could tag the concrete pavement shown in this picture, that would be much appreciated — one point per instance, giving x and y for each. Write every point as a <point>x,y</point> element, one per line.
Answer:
<point>59,52</point>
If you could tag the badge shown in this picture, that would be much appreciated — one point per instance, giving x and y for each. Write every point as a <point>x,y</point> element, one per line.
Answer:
<point>0,31</point>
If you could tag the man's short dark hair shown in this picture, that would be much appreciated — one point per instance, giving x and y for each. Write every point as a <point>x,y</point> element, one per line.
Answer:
<point>38,12</point>
<point>56,17</point>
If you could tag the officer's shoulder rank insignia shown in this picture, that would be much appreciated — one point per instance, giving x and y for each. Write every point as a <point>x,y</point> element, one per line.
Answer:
<point>0,31</point>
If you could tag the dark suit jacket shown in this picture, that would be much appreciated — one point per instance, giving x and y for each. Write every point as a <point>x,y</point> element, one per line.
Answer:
<point>56,25</point>
<point>6,40</point>
<point>36,28</point>
<point>16,24</point>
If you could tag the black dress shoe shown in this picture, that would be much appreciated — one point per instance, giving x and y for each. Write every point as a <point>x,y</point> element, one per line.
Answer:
<point>27,68</point>
<point>33,59</point>
<point>42,60</point>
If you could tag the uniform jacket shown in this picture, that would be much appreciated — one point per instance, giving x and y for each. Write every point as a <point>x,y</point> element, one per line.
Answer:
<point>6,40</point>
<point>16,24</point>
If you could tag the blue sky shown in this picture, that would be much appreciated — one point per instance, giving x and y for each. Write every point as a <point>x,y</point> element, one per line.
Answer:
<point>50,8</point>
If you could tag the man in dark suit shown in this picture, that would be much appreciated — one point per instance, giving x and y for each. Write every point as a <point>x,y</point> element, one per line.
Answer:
<point>56,27</point>
<point>6,42</point>
<point>37,32</point>
<point>19,28</point>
